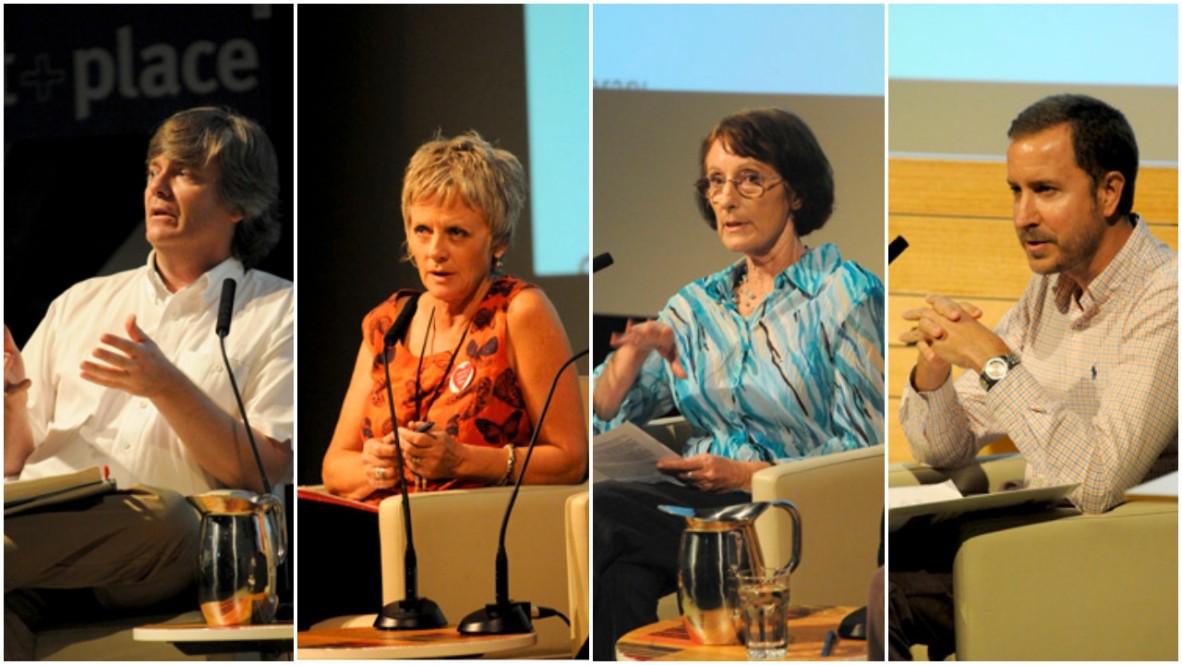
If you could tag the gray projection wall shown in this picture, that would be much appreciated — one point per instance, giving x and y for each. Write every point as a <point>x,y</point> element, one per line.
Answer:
<point>952,117</point>
<point>645,162</point>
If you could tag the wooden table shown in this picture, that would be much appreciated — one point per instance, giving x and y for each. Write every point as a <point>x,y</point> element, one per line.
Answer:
<point>272,640</point>
<point>369,642</point>
<point>668,640</point>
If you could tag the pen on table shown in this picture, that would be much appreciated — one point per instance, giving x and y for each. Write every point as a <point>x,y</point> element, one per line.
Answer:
<point>830,640</point>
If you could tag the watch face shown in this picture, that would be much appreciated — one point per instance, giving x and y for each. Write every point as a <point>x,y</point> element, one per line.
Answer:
<point>996,368</point>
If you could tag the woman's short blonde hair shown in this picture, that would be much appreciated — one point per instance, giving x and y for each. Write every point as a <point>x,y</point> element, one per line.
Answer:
<point>468,169</point>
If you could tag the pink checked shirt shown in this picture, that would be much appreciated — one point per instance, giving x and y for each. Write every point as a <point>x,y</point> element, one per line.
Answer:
<point>1095,398</point>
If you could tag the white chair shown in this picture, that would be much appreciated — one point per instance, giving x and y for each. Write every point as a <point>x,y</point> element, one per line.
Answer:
<point>456,535</point>
<point>578,566</point>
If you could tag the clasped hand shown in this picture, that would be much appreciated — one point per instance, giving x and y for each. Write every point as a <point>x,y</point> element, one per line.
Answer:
<point>133,364</point>
<point>431,454</point>
<point>948,333</point>
<point>650,336</point>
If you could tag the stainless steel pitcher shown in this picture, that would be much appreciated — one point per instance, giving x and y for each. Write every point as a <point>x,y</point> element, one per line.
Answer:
<point>243,540</point>
<point>716,543</point>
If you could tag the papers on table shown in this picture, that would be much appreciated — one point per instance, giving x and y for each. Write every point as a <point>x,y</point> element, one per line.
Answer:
<point>628,453</point>
<point>1164,487</point>
<point>897,497</point>
<point>942,509</point>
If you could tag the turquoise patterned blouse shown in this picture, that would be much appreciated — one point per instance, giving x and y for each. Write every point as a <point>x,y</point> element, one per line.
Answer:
<point>801,376</point>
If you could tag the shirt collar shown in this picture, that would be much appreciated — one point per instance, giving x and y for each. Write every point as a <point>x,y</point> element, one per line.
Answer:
<point>208,284</point>
<point>1110,279</point>
<point>807,274</point>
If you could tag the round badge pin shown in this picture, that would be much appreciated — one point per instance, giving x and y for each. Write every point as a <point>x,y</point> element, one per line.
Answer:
<point>461,377</point>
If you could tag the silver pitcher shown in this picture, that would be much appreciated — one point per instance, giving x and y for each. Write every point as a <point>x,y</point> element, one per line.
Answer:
<point>716,543</point>
<point>243,541</point>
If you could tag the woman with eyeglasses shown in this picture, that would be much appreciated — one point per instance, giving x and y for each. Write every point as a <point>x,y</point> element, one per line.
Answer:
<point>775,358</point>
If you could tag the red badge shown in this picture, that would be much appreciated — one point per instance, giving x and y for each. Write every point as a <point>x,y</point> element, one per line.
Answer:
<point>461,378</point>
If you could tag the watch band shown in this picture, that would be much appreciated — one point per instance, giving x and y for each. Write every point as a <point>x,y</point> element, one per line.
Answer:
<point>1011,361</point>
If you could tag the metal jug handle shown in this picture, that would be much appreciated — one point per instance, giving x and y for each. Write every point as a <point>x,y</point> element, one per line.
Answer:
<point>790,508</point>
<point>270,506</point>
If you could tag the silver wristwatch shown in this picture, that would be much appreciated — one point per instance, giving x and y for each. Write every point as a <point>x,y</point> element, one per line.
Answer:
<point>997,368</point>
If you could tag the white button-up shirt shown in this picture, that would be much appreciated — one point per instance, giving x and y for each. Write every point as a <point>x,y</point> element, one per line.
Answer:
<point>78,424</point>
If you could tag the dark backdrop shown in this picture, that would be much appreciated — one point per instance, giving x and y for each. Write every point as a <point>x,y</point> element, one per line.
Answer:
<point>74,174</point>
<point>375,83</point>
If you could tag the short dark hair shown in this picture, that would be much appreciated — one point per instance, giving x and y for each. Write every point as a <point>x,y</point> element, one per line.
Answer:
<point>1101,137</point>
<point>248,170</point>
<point>784,141</point>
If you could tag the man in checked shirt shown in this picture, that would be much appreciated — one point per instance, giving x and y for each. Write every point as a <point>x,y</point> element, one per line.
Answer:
<point>1082,373</point>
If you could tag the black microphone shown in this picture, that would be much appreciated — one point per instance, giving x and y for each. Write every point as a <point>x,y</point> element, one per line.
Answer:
<point>225,312</point>
<point>601,261</point>
<point>412,612</point>
<point>505,616</point>
<point>896,248</point>
<point>226,307</point>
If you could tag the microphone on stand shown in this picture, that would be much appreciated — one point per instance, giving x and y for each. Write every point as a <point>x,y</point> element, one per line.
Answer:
<point>412,612</point>
<point>601,261</point>
<point>505,616</point>
<point>225,313</point>
<point>896,248</point>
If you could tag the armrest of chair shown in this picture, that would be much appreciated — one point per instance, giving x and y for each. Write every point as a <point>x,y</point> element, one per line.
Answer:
<point>986,474</point>
<point>1083,587</point>
<point>578,565</point>
<point>839,497</point>
<point>456,533</point>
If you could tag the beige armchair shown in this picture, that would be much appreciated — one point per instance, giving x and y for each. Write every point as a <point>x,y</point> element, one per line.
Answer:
<point>456,535</point>
<point>1060,585</point>
<point>578,566</point>
<point>839,497</point>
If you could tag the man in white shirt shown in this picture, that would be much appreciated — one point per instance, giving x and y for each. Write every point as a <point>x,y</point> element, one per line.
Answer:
<point>125,372</point>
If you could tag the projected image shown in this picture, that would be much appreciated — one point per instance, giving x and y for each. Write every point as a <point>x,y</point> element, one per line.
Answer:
<point>796,49</point>
<point>981,43</point>
<point>556,67</point>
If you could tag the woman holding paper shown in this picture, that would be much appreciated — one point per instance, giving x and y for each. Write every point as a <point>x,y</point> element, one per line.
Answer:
<point>775,358</point>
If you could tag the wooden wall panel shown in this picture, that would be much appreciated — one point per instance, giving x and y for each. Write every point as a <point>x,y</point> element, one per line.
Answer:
<point>979,189</point>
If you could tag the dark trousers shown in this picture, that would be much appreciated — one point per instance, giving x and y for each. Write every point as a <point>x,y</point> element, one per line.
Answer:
<point>919,595</point>
<point>635,553</point>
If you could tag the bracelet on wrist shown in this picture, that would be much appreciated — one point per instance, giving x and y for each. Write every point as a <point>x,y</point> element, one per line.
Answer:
<point>508,477</point>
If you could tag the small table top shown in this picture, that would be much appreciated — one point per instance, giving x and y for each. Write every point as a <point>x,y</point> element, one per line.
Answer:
<point>668,640</point>
<point>369,642</point>
<point>203,632</point>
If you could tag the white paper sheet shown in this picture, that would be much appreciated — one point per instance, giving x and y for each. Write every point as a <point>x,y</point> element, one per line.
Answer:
<point>628,453</point>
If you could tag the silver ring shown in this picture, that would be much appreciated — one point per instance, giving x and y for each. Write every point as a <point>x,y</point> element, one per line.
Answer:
<point>379,472</point>
<point>689,475</point>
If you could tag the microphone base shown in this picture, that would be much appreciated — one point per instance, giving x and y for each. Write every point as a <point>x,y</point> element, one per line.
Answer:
<point>410,614</point>
<point>498,619</point>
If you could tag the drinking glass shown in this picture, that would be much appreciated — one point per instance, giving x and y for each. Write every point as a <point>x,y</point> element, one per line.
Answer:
<point>763,599</point>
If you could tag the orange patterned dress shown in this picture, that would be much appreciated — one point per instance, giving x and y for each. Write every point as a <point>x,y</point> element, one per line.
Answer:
<point>475,396</point>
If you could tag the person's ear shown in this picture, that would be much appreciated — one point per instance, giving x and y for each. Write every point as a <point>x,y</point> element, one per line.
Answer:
<point>1109,192</point>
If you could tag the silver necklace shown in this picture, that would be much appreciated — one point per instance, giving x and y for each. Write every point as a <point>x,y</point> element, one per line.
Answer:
<point>745,296</point>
